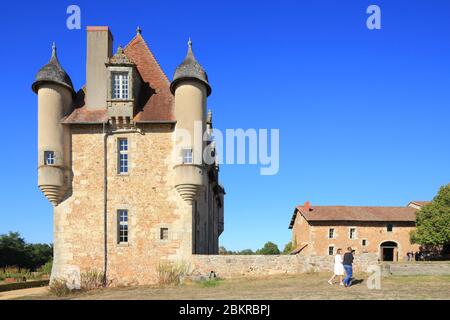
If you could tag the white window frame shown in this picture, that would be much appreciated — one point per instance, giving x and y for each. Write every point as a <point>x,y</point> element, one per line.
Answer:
<point>123,236</point>
<point>188,156</point>
<point>331,232</point>
<point>49,158</point>
<point>351,235</point>
<point>332,252</point>
<point>364,242</point>
<point>122,156</point>
<point>120,89</point>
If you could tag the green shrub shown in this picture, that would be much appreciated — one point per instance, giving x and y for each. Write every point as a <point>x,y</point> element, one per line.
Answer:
<point>58,287</point>
<point>210,283</point>
<point>171,273</point>
<point>91,279</point>
<point>46,268</point>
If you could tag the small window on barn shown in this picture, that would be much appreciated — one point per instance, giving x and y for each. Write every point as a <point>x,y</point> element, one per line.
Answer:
<point>164,233</point>
<point>364,242</point>
<point>389,227</point>
<point>352,233</point>
<point>330,250</point>
<point>331,233</point>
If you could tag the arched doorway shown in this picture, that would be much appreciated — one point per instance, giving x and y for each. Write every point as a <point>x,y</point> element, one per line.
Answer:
<point>389,251</point>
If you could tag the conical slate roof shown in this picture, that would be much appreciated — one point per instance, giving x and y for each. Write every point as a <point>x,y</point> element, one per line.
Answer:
<point>52,72</point>
<point>190,69</point>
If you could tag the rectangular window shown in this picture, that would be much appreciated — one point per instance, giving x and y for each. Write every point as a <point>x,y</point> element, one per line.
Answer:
<point>122,226</point>
<point>164,234</point>
<point>49,157</point>
<point>330,250</point>
<point>123,155</point>
<point>352,233</point>
<point>364,242</point>
<point>389,227</point>
<point>331,233</point>
<point>187,156</point>
<point>120,85</point>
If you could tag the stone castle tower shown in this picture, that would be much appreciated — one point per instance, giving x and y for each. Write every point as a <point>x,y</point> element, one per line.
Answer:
<point>128,189</point>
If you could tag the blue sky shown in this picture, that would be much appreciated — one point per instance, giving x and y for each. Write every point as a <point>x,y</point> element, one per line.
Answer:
<point>363,114</point>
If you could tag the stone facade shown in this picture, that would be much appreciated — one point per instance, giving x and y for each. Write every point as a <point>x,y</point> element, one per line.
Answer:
<point>235,266</point>
<point>314,237</point>
<point>163,224</point>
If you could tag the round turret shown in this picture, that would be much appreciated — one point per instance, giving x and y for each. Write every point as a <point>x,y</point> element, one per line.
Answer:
<point>55,99</point>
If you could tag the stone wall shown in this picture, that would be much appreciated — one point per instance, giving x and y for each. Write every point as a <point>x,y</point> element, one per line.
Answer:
<point>416,268</point>
<point>232,266</point>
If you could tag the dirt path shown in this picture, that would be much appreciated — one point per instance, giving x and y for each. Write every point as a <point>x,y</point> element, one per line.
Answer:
<point>23,293</point>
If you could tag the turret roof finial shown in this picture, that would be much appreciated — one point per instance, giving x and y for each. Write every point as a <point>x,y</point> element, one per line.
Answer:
<point>190,43</point>
<point>54,50</point>
<point>138,30</point>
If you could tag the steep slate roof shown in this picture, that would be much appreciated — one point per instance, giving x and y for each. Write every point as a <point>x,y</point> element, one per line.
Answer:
<point>190,69</point>
<point>350,213</point>
<point>157,102</point>
<point>53,72</point>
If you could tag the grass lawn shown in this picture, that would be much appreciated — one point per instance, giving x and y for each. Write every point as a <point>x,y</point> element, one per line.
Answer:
<point>305,286</point>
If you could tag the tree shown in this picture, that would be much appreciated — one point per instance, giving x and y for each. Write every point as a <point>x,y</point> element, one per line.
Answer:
<point>246,252</point>
<point>14,251</point>
<point>288,248</point>
<point>269,248</point>
<point>433,221</point>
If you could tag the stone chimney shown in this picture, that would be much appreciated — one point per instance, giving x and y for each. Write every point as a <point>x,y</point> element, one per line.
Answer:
<point>99,50</point>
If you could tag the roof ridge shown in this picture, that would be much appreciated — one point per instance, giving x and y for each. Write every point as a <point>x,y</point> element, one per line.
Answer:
<point>352,206</point>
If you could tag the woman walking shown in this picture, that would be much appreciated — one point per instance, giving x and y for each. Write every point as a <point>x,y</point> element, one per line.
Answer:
<point>338,268</point>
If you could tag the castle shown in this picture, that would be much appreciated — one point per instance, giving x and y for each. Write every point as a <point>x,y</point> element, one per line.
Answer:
<point>128,192</point>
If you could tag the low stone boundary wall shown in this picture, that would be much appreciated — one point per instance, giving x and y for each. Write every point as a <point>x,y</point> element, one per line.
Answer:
<point>232,266</point>
<point>416,268</point>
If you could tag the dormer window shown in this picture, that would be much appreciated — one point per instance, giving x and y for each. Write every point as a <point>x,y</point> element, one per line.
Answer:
<point>49,157</point>
<point>120,85</point>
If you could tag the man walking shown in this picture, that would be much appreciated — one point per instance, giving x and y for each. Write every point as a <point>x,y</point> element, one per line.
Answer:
<point>348,262</point>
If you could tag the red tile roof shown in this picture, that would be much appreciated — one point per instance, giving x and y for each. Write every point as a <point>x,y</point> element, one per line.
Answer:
<point>354,213</point>
<point>156,105</point>
<point>159,107</point>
